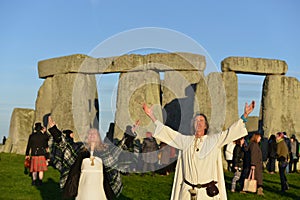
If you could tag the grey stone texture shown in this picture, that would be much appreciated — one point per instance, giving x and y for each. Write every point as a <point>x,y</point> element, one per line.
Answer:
<point>231,89</point>
<point>280,104</point>
<point>202,98</point>
<point>72,101</point>
<point>178,99</point>
<point>218,101</point>
<point>80,63</point>
<point>134,89</point>
<point>253,124</point>
<point>259,66</point>
<point>43,103</point>
<point>21,126</point>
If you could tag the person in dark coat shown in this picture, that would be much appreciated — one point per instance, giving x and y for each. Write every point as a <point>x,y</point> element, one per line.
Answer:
<point>3,140</point>
<point>238,161</point>
<point>37,148</point>
<point>165,158</point>
<point>294,155</point>
<point>150,153</point>
<point>127,143</point>
<point>257,161</point>
<point>69,181</point>
<point>272,151</point>
<point>282,157</point>
<point>64,152</point>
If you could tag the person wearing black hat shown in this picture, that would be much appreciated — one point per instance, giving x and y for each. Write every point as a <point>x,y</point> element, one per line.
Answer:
<point>294,155</point>
<point>64,151</point>
<point>69,134</point>
<point>37,148</point>
<point>87,171</point>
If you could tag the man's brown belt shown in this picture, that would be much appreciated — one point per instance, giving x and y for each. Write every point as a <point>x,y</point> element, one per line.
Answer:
<point>199,185</point>
<point>211,189</point>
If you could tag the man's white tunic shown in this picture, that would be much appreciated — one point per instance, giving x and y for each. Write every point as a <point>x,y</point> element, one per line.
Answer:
<point>200,160</point>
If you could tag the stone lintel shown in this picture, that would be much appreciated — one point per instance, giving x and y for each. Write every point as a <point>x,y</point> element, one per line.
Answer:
<point>80,63</point>
<point>257,66</point>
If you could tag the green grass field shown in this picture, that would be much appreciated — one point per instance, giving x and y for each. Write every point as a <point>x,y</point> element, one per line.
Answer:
<point>14,184</point>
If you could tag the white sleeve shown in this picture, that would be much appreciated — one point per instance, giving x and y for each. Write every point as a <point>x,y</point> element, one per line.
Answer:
<point>171,137</point>
<point>234,132</point>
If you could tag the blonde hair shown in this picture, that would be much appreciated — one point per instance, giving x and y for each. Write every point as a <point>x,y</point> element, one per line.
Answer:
<point>100,146</point>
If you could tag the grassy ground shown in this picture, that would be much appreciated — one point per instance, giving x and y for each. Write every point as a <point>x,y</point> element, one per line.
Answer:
<point>14,184</point>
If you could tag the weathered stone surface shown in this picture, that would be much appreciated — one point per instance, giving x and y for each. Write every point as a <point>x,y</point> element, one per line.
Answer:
<point>21,124</point>
<point>80,63</point>
<point>281,97</point>
<point>74,102</point>
<point>231,89</point>
<point>260,66</point>
<point>134,89</point>
<point>218,101</point>
<point>203,98</point>
<point>178,98</point>
<point>211,98</point>
<point>43,103</point>
<point>252,124</point>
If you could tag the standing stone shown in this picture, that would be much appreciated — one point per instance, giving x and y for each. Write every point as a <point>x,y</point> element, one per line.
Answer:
<point>231,89</point>
<point>74,103</point>
<point>281,97</point>
<point>21,126</point>
<point>203,98</point>
<point>43,103</point>
<point>252,125</point>
<point>178,99</point>
<point>134,89</point>
<point>218,101</point>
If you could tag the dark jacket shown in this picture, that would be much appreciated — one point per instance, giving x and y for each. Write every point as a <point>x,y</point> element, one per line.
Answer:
<point>238,156</point>
<point>256,154</point>
<point>257,161</point>
<point>38,144</point>
<point>149,150</point>
<point>272,149</point>
<point>64,152</point>
<point>71,187</point>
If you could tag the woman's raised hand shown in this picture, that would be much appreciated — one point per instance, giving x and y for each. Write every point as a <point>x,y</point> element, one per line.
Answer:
<point>149,112</point>
<point>51,123</point>
<point>249,108</point>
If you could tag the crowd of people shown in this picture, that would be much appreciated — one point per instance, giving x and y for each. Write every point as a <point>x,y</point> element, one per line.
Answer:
<point>248,156</point>
<point>93,167</point>
<point>147,156</point>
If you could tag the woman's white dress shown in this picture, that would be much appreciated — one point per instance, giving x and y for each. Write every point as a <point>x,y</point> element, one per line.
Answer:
<point>91,180</point>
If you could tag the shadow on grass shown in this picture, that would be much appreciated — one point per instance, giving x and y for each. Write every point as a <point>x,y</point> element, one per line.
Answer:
<point>122,197</point>
<point>50,190</point>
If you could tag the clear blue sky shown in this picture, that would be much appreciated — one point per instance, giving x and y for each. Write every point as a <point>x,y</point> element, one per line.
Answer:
<point>32,31</point>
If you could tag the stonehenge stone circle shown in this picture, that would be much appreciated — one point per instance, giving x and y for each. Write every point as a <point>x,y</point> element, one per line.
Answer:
<point>69,93</point>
